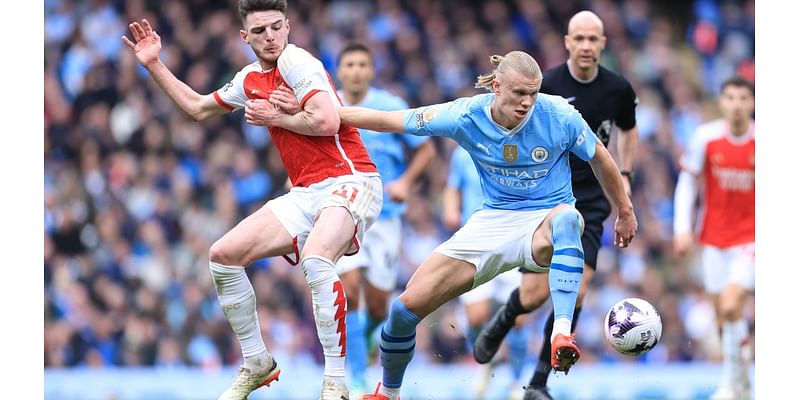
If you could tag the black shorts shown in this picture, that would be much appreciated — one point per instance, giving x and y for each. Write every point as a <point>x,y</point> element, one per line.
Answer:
<point>594,214</point>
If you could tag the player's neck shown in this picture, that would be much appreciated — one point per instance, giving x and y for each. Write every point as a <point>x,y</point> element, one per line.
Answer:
<point>499,119</point>
<point>266,66</point>
<point>582,75</point>
<point>354,97</point>
<point>739,128</point>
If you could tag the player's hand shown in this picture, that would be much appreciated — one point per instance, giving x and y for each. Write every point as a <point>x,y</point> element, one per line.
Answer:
<point>148,43</point>
<point>451,219</point>
<point>398,190</point>
<point>284,98</point>
<point>261,112</point>
<point>625,229</point>
<point>682,243</point>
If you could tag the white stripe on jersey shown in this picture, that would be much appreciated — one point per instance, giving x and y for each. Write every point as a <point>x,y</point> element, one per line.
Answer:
<point>344,155</point>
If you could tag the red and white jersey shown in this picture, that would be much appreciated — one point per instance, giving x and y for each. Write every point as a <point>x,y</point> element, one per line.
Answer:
<point>728,165</point>
<point>308,159</point>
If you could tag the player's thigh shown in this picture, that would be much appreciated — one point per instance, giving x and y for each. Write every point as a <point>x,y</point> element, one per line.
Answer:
<point>542,241</point>
<point>439,279</point>
<point>259,235</point>
<point>716,269</point>
<point>331,235</point>
<point>347,209</point>
<point>741,280</point>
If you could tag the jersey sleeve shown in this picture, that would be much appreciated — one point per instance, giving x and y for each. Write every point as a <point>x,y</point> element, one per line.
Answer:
<point>397,103</point>
<point>436,120</point>
<point>582,141</point>
<point>231,96</point>
<point>693,158</point>
<point>627,113</point>
<point>304,73</point>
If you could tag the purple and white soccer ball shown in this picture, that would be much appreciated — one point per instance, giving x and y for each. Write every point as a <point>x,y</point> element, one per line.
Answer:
<point>633,326</point>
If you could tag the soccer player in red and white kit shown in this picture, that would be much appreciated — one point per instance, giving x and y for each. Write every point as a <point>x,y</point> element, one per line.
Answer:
<point>337,192</point>
<point>721,154</point>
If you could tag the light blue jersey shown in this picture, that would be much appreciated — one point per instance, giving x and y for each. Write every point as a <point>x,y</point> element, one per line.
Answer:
<point>386,151</point>
<point>526,168</point>
<point>464,178</point>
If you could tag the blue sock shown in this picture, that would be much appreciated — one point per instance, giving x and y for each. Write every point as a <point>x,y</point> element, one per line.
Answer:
<point>566,266</point>
<point>518,350</point>
<point>398,339</point>
<point>356,347</point>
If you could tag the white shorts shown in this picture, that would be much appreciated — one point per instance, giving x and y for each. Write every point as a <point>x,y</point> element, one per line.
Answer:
<point>735,264</point>
<point>495,241</point>
<point>497,289</point>
<point>379,254</point>
<point>297,210</point>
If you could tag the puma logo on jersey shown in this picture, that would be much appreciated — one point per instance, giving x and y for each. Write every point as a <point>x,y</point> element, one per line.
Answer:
<point>484,148</point>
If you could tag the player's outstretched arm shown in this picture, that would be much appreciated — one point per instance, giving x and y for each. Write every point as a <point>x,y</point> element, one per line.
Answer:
<point>147,48</point>
<point>627,142</point>
<point>317,117</point>
<point>366,118</point>
<point>607,173</point>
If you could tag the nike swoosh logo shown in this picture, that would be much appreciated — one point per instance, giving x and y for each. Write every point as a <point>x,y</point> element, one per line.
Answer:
<point>570,99</point>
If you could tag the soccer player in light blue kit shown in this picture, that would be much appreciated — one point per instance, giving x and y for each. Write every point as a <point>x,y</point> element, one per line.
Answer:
<point>374,269</point>
<point>461,198</point>
<point>519,141</point>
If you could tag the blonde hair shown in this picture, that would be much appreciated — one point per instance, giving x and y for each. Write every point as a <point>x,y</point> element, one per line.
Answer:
<point>519,61</point>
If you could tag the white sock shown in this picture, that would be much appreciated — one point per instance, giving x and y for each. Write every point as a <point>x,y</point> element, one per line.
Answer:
<point>238,301</point>
<point>733,333</point>
<point>562,326</point>
<point>392,394</point>
<point>329,306</point>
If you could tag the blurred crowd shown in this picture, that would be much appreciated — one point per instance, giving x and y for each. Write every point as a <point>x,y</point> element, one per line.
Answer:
<point>135,193</point>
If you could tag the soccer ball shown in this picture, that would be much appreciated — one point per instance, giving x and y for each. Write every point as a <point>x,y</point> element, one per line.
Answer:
<point>633,326</point>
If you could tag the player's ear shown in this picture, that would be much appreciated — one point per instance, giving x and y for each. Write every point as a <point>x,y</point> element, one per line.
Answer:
<point>243,35</point>
<point>495,86</point>
<point>288,28</point>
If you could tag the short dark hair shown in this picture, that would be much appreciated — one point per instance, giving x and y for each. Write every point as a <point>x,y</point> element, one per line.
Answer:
<point>248,6</point>
<point>738,81</point>
<point>351,48</point>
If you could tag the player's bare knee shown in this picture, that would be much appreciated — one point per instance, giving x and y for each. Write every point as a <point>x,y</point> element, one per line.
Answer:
<point>220,253</point>
<point>567,218</point>
<point>729,309</point>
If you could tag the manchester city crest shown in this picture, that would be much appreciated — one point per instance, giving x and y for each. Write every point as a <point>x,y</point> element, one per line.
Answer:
<point>539,154</point>
<point>510,152</point>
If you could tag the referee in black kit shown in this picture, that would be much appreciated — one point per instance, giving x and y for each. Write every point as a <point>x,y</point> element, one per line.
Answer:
<point>603,98</point>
